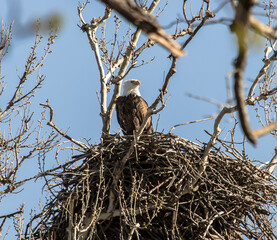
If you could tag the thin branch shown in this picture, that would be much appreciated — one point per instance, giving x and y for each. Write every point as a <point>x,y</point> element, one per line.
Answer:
<point>113,69</point>
<point>272,164</point>
<point>21,210</point>
<point>262,72</point>
<point>31,65</point>
<point>202,98</point>
<point>51,124</point>
<point>147,23</point>
<point>209,14</point>
<point>90,30</point>
<point>196,121</point>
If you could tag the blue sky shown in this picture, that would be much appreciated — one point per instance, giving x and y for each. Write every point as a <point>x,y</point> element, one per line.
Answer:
<point>72,79</point>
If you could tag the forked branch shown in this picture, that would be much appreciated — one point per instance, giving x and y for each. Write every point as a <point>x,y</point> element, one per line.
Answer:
<point>53,125</point>
<point>147,23</point>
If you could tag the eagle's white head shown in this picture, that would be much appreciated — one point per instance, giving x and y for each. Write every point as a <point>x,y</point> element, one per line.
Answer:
<point>131,87</point>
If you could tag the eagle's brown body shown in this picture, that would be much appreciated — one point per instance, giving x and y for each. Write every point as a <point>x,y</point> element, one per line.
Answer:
<point>130,111</point>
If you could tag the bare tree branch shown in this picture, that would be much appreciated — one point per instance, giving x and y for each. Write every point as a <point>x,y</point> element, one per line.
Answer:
<point>90,30</point>
<point>31,65</point>
<point>196,121</point>
<point>20,138</point>
<point>240,26</point>
<point>144,21</point>
<point>262,29</point>
<point>51,124</point>
<point>265,130</point>
<point>209,14</point>
<point>272,164</point>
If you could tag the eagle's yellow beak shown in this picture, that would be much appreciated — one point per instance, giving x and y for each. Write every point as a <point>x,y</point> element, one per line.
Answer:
<point>136,82</point>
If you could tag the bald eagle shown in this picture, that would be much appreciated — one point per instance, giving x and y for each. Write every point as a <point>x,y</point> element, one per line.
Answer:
<point>131,109</point>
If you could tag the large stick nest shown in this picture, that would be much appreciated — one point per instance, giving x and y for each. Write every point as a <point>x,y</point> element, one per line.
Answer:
<point>155,199</point>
